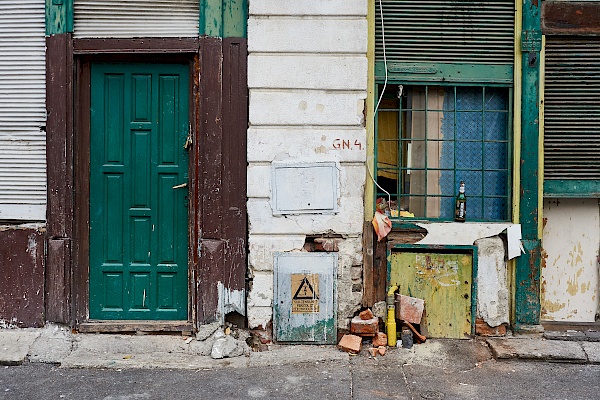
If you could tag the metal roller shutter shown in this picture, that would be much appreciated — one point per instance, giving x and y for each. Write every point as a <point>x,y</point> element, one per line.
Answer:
<point>478,32</point>
<point>22,111</point>
<point>572,108</point>
<point>135,18</point>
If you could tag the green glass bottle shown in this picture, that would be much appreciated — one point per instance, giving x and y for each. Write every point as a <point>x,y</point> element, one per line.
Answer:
<point>460,212</point>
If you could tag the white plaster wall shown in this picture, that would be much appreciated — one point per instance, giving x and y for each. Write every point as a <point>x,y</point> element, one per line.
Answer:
<point>307,78</point>
<point>571,240</point>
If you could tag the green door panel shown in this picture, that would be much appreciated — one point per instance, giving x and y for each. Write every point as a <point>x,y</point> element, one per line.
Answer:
<point>138,220</point>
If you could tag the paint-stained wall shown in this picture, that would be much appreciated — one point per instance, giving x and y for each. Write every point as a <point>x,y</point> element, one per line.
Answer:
<point>22,269</point>
<point>570,277</point>
<point>307,76</point>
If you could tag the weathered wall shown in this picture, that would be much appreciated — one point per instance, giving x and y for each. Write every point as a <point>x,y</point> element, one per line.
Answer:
<point>570,272</point>
<point>22,283</point>
<point>307,76</point>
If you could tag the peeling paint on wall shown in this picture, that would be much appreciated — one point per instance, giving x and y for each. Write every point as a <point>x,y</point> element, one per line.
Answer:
<point>570,276</point>
<point>230,301</point>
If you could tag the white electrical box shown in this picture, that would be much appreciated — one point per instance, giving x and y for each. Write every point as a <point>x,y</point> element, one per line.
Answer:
<point>305,188</point>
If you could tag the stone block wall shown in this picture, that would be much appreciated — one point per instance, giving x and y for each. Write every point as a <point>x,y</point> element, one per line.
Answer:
<point>307,78</point>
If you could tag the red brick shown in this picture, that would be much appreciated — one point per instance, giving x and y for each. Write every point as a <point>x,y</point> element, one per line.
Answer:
<point>350,343</point>
<point>381,350</point>
<point>364,327</point>
<point>409,309</point>
<point>366,314</point>
<point>380,339</point>
<point>483,329</point>
<point>373,351</point>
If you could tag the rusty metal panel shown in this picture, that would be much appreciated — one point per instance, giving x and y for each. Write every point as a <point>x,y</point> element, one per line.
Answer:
<point>305,301</point>
<point>570,17</point>
<point>22,290</point>
<point>444,281</point>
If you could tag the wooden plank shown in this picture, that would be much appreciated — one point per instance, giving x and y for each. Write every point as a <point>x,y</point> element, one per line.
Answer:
<point>81,242</point>
<point>135,326</point>
<point>59,131</point>
<point>211,136</point>
<point>58,278</point>
<point>380,271</point>
<point>368,266</point>
<point>235,125</point>
<point>145,45</point>
<point>22,261</point>
<point>209,276</point>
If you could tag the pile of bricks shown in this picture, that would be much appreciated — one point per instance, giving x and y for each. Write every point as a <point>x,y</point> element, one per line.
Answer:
<point>364,325</point>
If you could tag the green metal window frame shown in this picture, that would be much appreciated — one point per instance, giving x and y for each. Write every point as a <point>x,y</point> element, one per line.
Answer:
<point>401,166</point>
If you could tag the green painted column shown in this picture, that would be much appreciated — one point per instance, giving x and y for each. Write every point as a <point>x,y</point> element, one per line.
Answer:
<point>59,16</point>
<point>223,18</point>
<point>527,296</point>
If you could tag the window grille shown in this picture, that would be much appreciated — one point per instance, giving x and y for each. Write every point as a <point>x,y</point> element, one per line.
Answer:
<point>430,138</point>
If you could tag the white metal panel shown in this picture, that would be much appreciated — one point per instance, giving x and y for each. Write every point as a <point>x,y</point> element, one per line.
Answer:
<point>135,18</point>
<point>570,277</point>
<point>305,188</point>
<point>22,110</point>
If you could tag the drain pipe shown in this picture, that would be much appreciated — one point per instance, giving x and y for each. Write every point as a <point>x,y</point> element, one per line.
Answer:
<point>391,317</point>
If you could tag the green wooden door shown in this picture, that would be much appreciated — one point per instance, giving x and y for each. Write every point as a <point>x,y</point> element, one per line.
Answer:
<point>138,215</point>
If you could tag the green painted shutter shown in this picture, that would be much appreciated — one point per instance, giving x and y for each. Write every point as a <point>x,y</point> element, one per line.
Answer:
<point>572,116</point>
<point>458,40</point>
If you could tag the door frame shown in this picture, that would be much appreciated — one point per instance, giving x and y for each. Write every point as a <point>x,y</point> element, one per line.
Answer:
<point>217,186</point>
<point>82,95</point>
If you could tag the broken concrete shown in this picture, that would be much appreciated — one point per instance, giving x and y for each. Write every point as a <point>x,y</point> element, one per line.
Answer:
<point>15,344</point>
<point>54,343</point>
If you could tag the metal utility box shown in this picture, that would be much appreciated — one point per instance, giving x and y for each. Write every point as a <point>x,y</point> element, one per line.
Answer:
<point>443,277</point>
<point>305,188</point>
<point>305,304</point>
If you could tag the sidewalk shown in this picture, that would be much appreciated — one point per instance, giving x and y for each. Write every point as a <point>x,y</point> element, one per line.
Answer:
<point>57,345</point>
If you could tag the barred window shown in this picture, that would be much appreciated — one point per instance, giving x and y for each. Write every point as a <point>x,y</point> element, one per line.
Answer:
<point>430,138</point>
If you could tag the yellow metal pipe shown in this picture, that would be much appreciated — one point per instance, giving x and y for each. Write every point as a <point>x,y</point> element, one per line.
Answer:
<point>391,316</point>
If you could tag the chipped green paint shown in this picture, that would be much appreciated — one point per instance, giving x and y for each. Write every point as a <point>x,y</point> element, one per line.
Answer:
<point>223,18</point>
<point>527,296</point>
<point>569,188</point>
<point>59,16</point>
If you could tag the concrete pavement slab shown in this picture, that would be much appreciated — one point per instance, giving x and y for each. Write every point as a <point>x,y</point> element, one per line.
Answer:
<point>537,349</point>
<point>15,344</point>
<point>592,349</point>
<point>52,345</point>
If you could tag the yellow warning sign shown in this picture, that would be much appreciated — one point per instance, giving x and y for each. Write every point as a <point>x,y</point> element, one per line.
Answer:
<point>305,289</point>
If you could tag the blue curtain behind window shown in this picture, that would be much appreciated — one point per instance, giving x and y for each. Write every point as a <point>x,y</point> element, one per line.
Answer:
<point>475,151</point>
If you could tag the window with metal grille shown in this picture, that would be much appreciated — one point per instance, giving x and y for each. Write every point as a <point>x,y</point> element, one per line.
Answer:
<point>430,138</point>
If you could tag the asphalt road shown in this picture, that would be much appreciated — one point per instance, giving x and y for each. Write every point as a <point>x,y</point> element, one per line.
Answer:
<point>360,379</point>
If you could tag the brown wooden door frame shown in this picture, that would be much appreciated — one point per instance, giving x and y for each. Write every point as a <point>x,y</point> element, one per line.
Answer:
<point>217,212</point>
